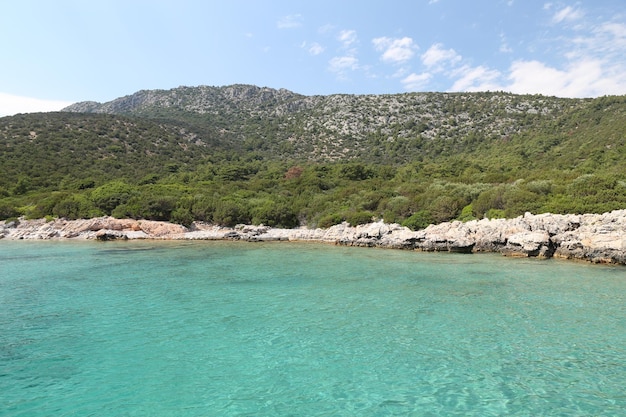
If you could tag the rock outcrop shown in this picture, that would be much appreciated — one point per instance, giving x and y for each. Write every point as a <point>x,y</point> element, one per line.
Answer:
<point>597,238</point>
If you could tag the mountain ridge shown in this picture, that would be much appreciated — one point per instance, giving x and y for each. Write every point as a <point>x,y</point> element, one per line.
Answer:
<point>190,98</point>
<point>340,126</point>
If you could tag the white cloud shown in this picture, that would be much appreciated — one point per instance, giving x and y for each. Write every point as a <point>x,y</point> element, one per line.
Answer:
<point>342,64</point>
<point>437,56</point>
<point>416,82</point>
<point>10,105</point>
<point>594,65</point>
<point>590,64</point>
<point>534,76</point>
<point>347,38</point>
<point>478,78</point>
<point>316,49</point>
<point>567,14</point>
<point>290,22</point>
<point>618,30</point>
<point>395,51</point>
<point>585,78</point>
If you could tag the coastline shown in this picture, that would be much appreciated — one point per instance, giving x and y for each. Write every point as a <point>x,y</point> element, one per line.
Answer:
<point>595,238</point>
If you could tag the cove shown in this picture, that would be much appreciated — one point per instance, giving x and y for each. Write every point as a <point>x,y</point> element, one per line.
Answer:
<point>199,328</point>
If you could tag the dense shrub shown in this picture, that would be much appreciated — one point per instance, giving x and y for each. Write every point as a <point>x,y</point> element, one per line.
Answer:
<point>359,217</point>
<point>76,206</point>
<point>330,220</point>
<point>275,214</point>
<point>231,212</point>
<point>8,210</point>
<point>182,216</point>
<point>108,196</point>
<point>419,220</point>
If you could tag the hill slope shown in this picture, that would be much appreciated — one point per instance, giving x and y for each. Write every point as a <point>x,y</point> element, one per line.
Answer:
<point>246,154</point>
<point>383,128</point>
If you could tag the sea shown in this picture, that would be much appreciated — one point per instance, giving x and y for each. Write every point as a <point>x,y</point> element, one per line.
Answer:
<point>204,328</point>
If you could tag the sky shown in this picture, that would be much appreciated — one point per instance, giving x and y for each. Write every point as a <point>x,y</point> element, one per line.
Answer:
<point>54,53</point>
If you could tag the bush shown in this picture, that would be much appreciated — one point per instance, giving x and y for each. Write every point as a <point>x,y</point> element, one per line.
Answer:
<point>518,200</point>
<point>202,209</point>
<point>329,220</point>
<point>182,216</point>
<point>492,198</point>
<point>108,196</point>
<point>467,214</point>
<point>75,207</point>
<point>543,187</point>
<point>157,208</point>
<point>590,185</point>
<point>396,209</point>
<point>445,208</point>
<point>230,213</point>
<point>355,172</point>
<point>359,217</point>
<point>420,220</point>
<point>8,211</point>
<point>275,214</point>
<point>495,214</point>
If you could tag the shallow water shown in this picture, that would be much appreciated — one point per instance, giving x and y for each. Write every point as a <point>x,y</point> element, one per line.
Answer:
<point>276,329</point>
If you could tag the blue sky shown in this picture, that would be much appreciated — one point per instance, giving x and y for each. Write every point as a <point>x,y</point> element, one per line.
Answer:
<point>58,52</point>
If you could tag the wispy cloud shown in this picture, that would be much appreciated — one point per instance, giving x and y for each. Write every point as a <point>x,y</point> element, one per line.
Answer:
<point>607,39</point>
<point>567,14</point>
<point>348,38</point>
<point>395,51</point>
<point>341,65</point>
<point>289,22</point>
<point>327,28</point>
<point>11,104</point>
<point>416,82</point>
<point>594,62</point>
<point>589,63</point>
<point>315,48</point>
<point>348,61</point>
<point>504,45</point>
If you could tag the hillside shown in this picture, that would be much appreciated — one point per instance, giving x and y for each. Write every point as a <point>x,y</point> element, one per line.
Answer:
<point>382,128</point>
<point>246,154</point>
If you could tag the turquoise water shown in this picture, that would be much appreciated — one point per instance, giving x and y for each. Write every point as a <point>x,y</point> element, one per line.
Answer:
<point>240,329</point>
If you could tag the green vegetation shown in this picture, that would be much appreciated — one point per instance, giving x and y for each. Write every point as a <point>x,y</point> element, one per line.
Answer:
<point>285,160</point>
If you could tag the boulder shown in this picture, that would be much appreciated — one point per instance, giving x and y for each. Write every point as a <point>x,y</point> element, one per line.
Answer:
<point>106,235</point>
<point>529,244</point>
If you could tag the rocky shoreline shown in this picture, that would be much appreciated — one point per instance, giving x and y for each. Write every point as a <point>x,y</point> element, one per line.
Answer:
<point>596,238</point>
